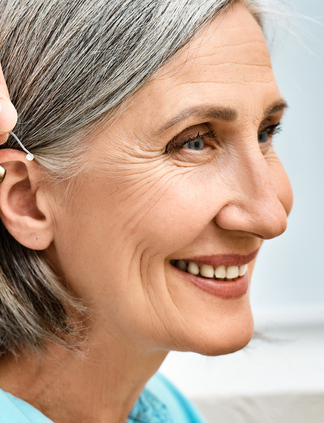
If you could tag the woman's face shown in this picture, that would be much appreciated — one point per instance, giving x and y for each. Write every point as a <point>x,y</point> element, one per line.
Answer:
<point>186,172</point>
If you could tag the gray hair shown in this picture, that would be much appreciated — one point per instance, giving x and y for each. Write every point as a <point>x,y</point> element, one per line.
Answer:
<point>69,65</point>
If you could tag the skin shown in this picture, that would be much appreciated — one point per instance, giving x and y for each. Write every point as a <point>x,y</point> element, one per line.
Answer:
<point>8,114</point>
<point>136,207</point>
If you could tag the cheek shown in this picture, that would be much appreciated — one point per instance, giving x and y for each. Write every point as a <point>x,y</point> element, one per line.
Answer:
<point>160,209</point>
<point>176,209</point>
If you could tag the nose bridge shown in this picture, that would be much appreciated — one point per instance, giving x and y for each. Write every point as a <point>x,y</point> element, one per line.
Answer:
<point>255,206</point>
<point>255,178</point>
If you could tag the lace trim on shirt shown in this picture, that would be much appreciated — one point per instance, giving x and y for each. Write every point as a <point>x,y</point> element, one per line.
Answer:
<point>149,409</point>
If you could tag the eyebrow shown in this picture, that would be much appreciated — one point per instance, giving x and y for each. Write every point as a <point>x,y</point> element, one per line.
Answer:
<point>221,113</point>
<point>208,112</point>
<point>277,106</point>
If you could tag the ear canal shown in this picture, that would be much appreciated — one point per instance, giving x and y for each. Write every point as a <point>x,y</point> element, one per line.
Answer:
<point>2,173</point>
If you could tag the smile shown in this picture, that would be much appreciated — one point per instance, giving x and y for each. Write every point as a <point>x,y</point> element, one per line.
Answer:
<point>221,272</point>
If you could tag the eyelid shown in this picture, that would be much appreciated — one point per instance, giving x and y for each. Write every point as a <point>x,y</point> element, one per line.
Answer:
<point>273,129</point>
<point>210,134</point>
<point>268,124</point>
<point>271,120</point>
<point>189,134</point>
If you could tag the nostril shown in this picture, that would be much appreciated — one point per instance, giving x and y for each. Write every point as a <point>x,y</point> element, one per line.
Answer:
<point>274,224</point>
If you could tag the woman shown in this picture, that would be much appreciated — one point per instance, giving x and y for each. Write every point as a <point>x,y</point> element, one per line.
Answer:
<point>135,229</point>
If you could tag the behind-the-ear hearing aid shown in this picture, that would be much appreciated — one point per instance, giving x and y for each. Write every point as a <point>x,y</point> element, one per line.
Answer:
<point>29,156</point>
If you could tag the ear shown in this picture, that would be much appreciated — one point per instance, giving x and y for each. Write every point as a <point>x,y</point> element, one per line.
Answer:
<point>24,202</point>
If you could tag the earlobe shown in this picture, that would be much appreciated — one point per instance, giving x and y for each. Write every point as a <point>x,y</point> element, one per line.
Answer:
<point>24,207</point>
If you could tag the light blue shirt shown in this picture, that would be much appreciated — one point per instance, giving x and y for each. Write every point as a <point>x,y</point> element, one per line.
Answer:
<point>160,402</point>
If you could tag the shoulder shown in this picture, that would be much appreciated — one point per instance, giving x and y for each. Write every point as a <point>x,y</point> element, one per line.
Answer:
<point>14,410</point>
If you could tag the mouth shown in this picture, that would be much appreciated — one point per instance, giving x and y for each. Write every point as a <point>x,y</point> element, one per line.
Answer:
<point>221,275</point>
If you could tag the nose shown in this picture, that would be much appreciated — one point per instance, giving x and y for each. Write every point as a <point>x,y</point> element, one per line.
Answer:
<point>255,204</point>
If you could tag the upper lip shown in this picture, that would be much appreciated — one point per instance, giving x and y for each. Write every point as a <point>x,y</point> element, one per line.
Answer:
<point>223,259</point>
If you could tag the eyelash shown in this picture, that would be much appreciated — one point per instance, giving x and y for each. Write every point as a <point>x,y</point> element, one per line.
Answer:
<point>174,146</point>
<point>210,135</point>
<point>273,129</point>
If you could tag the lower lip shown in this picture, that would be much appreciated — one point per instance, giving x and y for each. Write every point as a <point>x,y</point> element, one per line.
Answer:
<point>224,289</point>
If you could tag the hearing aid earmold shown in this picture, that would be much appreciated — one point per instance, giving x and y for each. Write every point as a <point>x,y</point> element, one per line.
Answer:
<point>2,173</point>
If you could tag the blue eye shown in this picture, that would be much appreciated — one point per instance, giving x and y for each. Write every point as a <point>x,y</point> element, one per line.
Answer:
<point>196,144</point>
<point>269,132</point>
<point>263,136</point>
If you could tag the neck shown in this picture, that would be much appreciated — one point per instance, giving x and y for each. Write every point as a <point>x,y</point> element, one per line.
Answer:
<point>100,383</point>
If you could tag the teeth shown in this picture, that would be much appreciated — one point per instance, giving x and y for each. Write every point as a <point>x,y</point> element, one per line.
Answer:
<point>220,272</point>
<point>207,271</point>
<point>232,272</point>
<point>193,268</point>
<point>182,265</point>
<point>243,269</point>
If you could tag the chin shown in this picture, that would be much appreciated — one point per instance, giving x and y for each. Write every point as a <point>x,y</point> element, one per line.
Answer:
<point>229,347</point>
<point>232,334</point>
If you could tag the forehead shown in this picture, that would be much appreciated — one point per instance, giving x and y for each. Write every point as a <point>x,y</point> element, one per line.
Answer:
<point>226,64</point>
<point>221,51</point>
